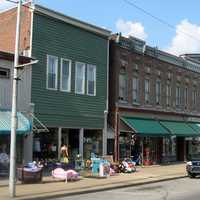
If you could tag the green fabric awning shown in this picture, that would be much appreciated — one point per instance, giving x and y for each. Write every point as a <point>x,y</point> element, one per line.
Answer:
<point>195,126</point>
<point>179,128</point>
<point>23,125</point>
<point>145,126</point>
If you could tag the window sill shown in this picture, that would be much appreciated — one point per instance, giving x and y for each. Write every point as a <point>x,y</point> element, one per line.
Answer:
<point>136,104</point>
<point>122,101</point>
<point>52,89</point>
<point>66,91</point>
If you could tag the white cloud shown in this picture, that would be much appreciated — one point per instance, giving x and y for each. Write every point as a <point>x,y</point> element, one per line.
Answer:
<point>182,43</point>
<point>5,4</point>
<point>129,28</point>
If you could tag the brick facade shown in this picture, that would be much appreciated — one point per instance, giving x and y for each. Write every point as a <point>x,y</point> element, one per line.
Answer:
<point>8,29</point>
<point>152,64</point>
<point>158,70</point>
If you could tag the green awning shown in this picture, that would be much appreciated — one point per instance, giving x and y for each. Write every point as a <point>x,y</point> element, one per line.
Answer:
<point>179,128</point>
<point>145,126</point>
<point>195,126</point>
<point>23,125</point>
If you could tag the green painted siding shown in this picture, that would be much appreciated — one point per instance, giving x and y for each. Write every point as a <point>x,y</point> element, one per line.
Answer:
<point>56,108</point>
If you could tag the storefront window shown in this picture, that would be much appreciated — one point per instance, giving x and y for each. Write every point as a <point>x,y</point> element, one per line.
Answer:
<point>92,143</point>
<point>194,148</point>
<point>5,147</point>
<point>45,145</point>
<point>125,145</point>
<point>169,149</point>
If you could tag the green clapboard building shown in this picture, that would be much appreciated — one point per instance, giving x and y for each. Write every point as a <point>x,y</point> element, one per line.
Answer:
<point>69,84</point>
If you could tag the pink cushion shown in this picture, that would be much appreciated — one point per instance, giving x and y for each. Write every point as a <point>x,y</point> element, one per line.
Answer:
<point>59,173</point>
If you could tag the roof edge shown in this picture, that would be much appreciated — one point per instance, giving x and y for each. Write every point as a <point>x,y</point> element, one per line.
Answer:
<point>70,20</point>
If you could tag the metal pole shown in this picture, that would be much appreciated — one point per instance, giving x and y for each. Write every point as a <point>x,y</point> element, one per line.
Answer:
<point>12,178</point>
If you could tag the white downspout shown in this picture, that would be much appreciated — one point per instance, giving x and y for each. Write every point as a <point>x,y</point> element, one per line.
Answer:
<point>105,131</point>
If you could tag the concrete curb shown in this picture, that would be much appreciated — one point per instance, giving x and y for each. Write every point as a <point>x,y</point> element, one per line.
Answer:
<point>100,189</point>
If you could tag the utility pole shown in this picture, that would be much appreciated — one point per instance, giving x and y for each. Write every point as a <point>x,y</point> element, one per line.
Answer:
<point>12,178</point>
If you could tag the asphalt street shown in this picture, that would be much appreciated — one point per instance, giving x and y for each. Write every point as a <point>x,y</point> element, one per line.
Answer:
<point>180,189</point>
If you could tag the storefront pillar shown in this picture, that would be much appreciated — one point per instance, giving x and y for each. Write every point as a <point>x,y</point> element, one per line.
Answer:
<point>142,151</point>
<point>28,148</point>
<point>116,146</point>
<point>185,150</point>
<point>105,133</point>
<point>28,139</point>
<point>81,135</point>
<point>59,141</point>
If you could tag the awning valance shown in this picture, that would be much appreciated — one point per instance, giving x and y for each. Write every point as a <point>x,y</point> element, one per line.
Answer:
<point>146,127</point>
<point>195,126</point>
<point>160,128</point>
<point>179,128</point>
<point>23,124</point>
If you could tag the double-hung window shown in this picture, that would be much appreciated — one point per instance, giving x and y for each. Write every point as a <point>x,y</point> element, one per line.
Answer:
<point>194,97</point>
<point>52,72</point>
<point>158,92</point>
<point>147,90</point>
<point>91,80</point>
<point>65,77</point>
<point>80,78</point>
<point>178,96</point>
<point>123,87</point>
<point>135,83</point>
<point>168,94</point>
<point>186,97</point>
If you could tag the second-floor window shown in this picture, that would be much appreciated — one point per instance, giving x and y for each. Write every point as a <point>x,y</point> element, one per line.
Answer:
<point>135,83</point>
<point>65,75</point>
<point>186,97</point>
<point>80,78</point>
<point>194,97</point>
<point>178,96</point>
<point>147,90</point>
<point>4,73</point>
<point>91,80</point>
<point>158,92</point>
<point>168,94</point>
<point>123,86</point>
<point>52,72</point>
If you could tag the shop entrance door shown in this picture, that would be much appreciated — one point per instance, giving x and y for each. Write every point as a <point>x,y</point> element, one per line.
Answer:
<point>73,143</point>
<point>180,148</point>
<point>152,150</point>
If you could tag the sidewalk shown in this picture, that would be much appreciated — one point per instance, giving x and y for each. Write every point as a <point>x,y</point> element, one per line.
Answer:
<point>50,188</point>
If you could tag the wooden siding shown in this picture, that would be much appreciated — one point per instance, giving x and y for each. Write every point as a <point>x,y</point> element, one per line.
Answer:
<point>24,88</point>
<point>56,108</point>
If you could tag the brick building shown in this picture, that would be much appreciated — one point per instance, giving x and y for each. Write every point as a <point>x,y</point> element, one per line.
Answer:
<point>154,102</point>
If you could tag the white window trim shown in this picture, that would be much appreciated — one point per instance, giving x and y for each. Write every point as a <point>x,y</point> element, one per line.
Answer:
<point>47,72</point>
<point>61,70</point>
<point>83,78</point>
<point>95,79</point>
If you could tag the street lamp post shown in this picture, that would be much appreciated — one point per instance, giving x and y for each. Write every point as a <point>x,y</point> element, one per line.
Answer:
<point>12,177</point>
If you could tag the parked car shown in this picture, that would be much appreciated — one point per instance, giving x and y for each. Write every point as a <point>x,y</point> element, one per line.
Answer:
<point>193,166</point>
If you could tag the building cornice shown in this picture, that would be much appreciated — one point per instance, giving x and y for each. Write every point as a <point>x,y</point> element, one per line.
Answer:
<point>138,46</point>
<point>75,22</point>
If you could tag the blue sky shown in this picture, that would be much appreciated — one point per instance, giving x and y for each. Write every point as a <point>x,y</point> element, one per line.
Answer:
<point>116,15</point>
